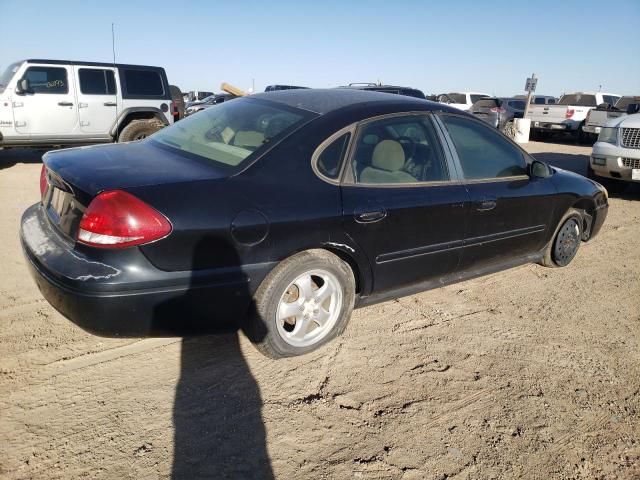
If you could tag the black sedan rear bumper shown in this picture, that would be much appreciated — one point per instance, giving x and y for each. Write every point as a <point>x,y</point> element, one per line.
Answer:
<point>120,293</point>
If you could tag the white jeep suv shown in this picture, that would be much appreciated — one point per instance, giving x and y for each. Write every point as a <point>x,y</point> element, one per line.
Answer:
<point>58,102</point>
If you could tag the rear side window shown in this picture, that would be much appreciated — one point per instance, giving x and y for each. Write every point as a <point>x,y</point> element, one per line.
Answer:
<point>47,79</point>
<point>483,153</point>
<point>517,104</point>
<point>146,83</point>
<point>97,81</point>
<point>538,101</point>
<point>330,159</point>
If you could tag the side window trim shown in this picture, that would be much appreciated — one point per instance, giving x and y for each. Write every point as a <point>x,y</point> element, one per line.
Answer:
<point>347,178</point>
<point>456,158</point>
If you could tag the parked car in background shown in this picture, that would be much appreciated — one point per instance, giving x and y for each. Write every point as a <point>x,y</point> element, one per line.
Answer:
<point>615,158</point>
<point>461,100</point>
<point>597,117</point>
<point>378,87</point>
<point>328,202</point>
<point>177,103</point>
<point>60,102</point>
<point>196,95</point>
<point>539,99</point>
<point>497,112</point>
<point>275,88</point>
<point>568,115</point>
<point>210,101</point>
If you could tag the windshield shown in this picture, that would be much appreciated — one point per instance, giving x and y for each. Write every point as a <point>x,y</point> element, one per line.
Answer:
<point>8,75</point>
<point>233,131</point>
<point>624,102</point>
<point>579,100</point>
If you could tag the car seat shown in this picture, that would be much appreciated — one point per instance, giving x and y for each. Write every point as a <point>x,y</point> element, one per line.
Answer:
<point>386,165</point>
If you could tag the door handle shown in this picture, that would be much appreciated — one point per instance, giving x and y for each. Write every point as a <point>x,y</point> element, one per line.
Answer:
<point>486,204</point>
<point>371,216</point>
<point>109,104</point>
<point>65,104</point>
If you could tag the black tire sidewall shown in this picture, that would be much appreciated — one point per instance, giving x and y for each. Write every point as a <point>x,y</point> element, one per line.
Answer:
<point>264,331</point>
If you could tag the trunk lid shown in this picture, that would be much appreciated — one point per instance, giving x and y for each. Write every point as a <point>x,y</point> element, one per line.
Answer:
<point>75,176</point>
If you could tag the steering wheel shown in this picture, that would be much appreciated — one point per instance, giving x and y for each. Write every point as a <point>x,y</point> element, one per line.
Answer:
<point>410,141</point>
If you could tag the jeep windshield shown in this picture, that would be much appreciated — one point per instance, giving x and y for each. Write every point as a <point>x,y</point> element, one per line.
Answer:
<point>232,133</point>
<point>8,74</point>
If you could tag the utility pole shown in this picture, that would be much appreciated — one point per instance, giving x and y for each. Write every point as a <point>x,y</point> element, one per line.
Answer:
<point>530,87</point>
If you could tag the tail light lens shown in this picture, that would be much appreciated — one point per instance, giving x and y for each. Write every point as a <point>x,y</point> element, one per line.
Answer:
<point>569,113</point>
<point>43,181</point>
<point>117,219</point>
<point>174,107</point>
<point>498,110</point>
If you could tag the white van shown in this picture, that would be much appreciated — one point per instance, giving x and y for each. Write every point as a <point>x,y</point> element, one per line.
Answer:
<point>58,102</point>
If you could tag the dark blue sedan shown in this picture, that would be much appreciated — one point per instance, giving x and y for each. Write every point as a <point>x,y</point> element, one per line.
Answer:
<point>281,212</point>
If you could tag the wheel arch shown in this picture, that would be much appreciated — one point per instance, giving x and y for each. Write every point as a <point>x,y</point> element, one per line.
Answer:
<point>586,207</point>
<point>136,113</point>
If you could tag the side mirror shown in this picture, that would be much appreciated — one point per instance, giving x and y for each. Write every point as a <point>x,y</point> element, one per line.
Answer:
<point>23,87</point>
<point>539,169</point>
<point>604,106</point>
<point>633,108</point>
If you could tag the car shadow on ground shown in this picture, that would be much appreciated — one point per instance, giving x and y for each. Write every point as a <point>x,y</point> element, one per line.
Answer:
<point>12,156</point>
<point>217,412</point>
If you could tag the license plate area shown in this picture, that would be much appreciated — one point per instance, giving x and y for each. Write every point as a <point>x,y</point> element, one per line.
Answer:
<point>63,211</point>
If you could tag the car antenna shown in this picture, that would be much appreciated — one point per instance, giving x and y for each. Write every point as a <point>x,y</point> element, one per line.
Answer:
<point>113,50</point>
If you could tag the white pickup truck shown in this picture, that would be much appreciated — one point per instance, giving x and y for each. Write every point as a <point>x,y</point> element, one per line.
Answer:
<point>597,117</point>
<point>569,114</point>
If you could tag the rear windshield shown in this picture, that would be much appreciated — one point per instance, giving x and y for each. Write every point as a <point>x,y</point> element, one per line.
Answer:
<point>230,133</point>
<point>8,74</point>
<point>475,98</point>
<point>457,97</point>
<point>578,100</point>
<point>487,103</point>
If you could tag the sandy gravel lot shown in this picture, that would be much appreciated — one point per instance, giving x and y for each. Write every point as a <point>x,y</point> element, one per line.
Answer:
<point>530,373</point>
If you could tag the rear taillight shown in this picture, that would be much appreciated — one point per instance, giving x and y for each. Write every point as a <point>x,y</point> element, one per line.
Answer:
<point>569,113</point>
<point>117,219</point>
<point>174,107</point>
<point>43,181</point>
<point>498,110</point>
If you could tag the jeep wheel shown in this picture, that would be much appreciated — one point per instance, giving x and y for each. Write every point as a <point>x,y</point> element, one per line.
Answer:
<point>139,129</point>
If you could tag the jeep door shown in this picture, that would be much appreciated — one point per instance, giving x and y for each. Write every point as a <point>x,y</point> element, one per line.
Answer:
<point>402,202</point>
<point>97,99</point>
<point>48,110</point>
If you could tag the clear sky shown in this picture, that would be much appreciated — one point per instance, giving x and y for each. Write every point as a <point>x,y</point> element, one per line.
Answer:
<point>437,46</point>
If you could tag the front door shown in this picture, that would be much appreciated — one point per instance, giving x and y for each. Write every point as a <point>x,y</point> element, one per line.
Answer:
<point>401,202</point>
<point>97,99</point>
<point>48,109</point>
<point>510,212</point>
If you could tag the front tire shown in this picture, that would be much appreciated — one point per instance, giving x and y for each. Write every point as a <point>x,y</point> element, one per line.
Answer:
<point>303,303</point>
<point>566,240</point>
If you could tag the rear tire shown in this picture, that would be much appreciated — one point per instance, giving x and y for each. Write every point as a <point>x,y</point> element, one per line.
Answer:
<point>317,289</point>
<point>139,129</point>
<point>566,240</point>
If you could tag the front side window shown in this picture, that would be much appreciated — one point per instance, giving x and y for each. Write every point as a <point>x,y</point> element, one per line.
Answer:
<point>230,133</point>
<point>97,81</point>
<point>398,150</point>
<point>517,104</point>
<point>47,79</point>
<point>610,99</point>
<point>483,152</point>
<point>538,100</point>
<point>143,82</point>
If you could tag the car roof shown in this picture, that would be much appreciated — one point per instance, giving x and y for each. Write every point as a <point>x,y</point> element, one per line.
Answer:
<point>89,64</point>
<point>322,101</point>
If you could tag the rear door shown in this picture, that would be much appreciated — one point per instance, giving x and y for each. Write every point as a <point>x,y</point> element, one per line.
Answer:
<point>97,99</point>
<point>49,110</point>
<point>402,201</point>
<point>510,212</point>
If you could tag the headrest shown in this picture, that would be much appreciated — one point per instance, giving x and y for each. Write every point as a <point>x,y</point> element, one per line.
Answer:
<point>388,155</point>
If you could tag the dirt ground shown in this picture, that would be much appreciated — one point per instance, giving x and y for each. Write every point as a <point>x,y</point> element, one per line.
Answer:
<point>529,373</point>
